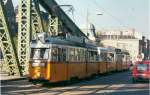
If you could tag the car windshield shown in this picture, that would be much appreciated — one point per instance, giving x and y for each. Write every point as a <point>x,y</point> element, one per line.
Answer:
<point>142,67</point>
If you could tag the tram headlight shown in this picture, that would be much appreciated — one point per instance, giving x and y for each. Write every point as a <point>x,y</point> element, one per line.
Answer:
<point>38,64</point>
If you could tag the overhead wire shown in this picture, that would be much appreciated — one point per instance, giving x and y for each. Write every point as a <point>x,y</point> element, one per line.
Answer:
<point>68,11</point>
<point>103,9</point>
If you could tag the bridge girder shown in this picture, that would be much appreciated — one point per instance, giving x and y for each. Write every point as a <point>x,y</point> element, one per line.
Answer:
<point>7,44</point>
<point>24,37</point>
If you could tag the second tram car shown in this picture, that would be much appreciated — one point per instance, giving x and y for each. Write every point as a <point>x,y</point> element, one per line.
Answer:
<point>102,52</point>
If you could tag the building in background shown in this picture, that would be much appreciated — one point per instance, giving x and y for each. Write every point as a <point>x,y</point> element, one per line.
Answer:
<point>127,39</point>
<point>122,33</point>
<point>144,48</point>
<point>90,31</point>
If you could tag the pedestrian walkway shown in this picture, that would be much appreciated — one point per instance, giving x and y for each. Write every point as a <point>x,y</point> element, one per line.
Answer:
<point>5,77</point>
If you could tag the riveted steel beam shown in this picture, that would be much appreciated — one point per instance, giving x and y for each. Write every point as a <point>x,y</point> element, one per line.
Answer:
<point>53,25</point>
<point>7,44</point>
<point>53,8</point>
<point>37,25</point>
<point>24,30</point>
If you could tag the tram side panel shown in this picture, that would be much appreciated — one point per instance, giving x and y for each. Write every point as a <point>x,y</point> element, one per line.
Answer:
<point>92,69</point>
<point>124,62</point>
<point>102,57</point>
<point>58,65</point>
<point>128,62</point>
<point>58,72</point>
<point>110,64</point>
<point>102,67</point>
<point>119,62</point>
<point>92,63</point>
<point>114,66</point>
<point>119,66</point>
<point>76,63</point>
<point>113,63</point>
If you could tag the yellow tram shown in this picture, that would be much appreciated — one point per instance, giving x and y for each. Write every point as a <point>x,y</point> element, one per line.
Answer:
<point>56,60</point>
<point>60,60</point>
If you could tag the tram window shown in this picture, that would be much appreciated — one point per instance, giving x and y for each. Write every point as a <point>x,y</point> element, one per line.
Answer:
<point>99,58</point>
<point>109,60</point>
<point>82,55</point>
<point>104,56</point>
<point>124,58</point>
<point>54,54</point>
<point>79,55</point>
<point>92,55</point>
<point>71,54</point>
<point>63,54</point>
<point>67,54</point>
<point>76,55</point>
<point>119,58</point>
<point>88,56</point>
<point>95,56</point>
<point>41,53</point>
<point>35,53</point>
<point>59,54</point>
<point>46,54</point>
<point>110,57</point>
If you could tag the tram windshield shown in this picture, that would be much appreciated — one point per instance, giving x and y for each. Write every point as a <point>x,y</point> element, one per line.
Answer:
<point>39,53</point>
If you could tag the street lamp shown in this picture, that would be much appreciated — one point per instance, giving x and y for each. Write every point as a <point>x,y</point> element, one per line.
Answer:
<point>99,14</point>
<point>88,21</point>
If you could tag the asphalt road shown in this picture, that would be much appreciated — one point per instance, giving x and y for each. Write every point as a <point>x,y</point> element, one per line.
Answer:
<point>113,84</point>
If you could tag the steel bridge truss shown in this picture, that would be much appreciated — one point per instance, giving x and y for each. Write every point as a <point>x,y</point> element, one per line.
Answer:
<point>37,24</point>
<point>53,25</point>
<point>24,30</point>
<point>29,24</point>
<point>7,44</point>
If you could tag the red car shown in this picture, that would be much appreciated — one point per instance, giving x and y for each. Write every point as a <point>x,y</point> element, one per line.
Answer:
<point>141,71</point>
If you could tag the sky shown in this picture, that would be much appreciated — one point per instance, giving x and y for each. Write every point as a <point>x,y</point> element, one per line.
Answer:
<point>115,13</point>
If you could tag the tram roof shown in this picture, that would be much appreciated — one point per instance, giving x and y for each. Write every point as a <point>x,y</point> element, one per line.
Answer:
<point>59,41</point>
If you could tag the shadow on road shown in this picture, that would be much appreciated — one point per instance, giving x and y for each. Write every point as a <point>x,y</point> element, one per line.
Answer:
<point>114,84</point>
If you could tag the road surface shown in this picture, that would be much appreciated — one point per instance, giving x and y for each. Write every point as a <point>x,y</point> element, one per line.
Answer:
<point>114,84</point>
